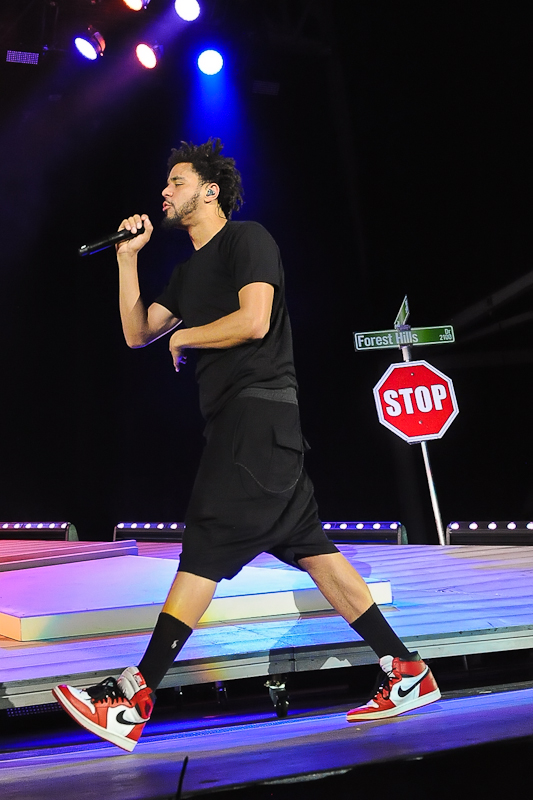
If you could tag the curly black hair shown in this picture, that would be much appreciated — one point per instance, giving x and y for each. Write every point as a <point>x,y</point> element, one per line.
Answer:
<point>212,167</point>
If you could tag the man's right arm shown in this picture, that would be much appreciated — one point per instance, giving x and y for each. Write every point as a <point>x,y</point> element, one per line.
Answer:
<point>141,326</point>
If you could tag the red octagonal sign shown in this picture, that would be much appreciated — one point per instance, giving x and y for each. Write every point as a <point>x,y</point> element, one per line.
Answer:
<point>416,401</point>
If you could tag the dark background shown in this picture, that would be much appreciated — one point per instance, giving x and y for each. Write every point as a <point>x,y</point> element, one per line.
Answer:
<point>392,159</point>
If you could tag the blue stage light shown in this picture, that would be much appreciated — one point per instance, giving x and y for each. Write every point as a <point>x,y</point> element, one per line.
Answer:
<point>210,62</point>
<point>90,46</point>
<point>86,48</point>
<point>188,10</point>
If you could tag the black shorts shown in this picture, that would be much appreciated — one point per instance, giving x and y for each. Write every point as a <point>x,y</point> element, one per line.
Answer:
<point>251,494</point>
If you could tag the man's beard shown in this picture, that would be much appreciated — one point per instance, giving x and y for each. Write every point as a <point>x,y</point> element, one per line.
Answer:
<point>178,218</point>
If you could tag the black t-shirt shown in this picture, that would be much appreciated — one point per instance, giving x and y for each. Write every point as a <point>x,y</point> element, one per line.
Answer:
<point>205,288</point>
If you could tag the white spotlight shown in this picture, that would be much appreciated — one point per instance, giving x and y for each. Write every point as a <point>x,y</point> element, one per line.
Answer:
<point>188,10</point>
<point>210,62</point>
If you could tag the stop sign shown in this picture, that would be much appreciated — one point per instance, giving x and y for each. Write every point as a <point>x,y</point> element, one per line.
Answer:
<point>416,401</point>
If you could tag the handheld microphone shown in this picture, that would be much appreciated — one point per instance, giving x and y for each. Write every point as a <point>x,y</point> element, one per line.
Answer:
<point>109,241</point>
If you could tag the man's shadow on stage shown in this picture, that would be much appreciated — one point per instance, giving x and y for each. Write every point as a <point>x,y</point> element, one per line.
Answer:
<point>315,637</point>
<point>4,701</point>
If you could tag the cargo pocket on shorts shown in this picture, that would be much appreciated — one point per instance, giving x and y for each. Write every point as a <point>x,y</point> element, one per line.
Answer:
<point>268,448</point>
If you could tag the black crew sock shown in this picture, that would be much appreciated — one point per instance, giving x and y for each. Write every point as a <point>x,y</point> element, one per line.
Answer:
<point>378,634</point>
<point>169,636</point>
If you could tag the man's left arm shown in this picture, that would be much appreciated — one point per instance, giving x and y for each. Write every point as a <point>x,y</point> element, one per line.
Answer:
<point>250,322</point>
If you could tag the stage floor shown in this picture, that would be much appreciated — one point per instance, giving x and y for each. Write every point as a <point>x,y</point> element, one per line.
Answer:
<point>447,601</point>
<point>247,751</point>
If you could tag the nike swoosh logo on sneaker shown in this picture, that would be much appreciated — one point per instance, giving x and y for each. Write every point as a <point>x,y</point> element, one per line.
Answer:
<point>121,719</point>
<point>404,692</point>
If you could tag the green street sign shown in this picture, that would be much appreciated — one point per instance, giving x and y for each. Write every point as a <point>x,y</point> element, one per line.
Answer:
<point>386,340</point>
<point>403,313</point>
<point>375,340</point>
<point>441,334</point>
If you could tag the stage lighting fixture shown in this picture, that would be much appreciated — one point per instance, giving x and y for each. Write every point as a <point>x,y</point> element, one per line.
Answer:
<point>491,533</point>
<point>137,5</point>
<point>148,54</point>
<point>22,57</point>
<point>210,62</point>
<point>91,45</point>
<point>368,532</point>
<point>149,531</point>
<point>341,532</point>
<point>188,10</point>
<point>39,530</point>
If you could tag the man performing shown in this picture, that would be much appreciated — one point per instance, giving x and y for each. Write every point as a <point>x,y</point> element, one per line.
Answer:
<point>251,493</point>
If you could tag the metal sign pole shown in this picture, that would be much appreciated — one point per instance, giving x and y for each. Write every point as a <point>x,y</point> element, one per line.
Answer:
<point>404,337</point>
<point>406,353</point>
<point>433,493</point>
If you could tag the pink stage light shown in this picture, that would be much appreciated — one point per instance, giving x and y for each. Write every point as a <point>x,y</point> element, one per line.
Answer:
<point>148,55</point>
<point>136,5</point>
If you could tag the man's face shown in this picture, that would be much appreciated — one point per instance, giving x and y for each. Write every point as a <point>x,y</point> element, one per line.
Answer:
<point>181,196</point>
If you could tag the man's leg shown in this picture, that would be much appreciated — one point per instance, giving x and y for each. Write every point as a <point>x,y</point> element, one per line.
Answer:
<point>187,601</point>
<point>349,595</point>
<point>189,598</point>
<point>408,682</point>
<point>340,583</point>
<point>117,710</point>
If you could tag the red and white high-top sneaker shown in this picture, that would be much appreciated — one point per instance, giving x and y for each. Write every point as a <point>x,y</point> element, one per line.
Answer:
<point>114,710</point>
<point>406,685</point>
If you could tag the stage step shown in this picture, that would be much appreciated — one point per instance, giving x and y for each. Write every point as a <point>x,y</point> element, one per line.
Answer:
<point>127,593</point>
<point>27,554</point>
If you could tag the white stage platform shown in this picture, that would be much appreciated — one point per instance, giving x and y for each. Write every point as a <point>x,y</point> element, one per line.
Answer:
<point>127,592</point>
<point>448,601</point>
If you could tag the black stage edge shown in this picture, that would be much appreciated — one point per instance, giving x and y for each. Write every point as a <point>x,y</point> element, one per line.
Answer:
<point>492,770</point>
